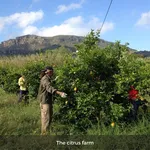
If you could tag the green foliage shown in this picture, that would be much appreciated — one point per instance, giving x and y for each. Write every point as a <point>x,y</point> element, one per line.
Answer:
<point>21,120</point>
<point>133,70</point>
<point>32,74</point>
<point>9,79</point>
<point>30,67</point>
<point>97,81</point>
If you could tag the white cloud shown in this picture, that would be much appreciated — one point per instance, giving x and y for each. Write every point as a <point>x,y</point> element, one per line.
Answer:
<point>72,26</point>
<point>107,26</point>
<point>72,6</point>
<point>74,21</point>
<point>22,20</point>
<point>1,24</point>
<point>30,30</point>
<point>144,19</point>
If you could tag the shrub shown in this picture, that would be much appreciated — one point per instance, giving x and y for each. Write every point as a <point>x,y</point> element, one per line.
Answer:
<point>97,82</point>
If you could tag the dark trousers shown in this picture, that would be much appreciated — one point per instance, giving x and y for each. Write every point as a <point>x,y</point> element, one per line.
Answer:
<point>23,95</point>
<point>136,104</point>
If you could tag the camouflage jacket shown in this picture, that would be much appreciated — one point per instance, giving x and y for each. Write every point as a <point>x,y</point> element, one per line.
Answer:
<point>46,90</point>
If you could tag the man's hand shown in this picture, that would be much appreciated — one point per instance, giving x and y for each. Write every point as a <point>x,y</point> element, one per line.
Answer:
<point>62,94</point>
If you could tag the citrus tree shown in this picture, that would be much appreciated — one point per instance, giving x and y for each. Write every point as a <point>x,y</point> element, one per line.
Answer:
<point>97,81</point>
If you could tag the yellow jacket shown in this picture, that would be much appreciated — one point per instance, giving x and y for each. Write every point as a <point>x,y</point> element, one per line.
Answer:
<point>22,84</point>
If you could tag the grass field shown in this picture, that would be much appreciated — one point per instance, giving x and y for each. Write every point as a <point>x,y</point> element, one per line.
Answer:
<point>21,119</point>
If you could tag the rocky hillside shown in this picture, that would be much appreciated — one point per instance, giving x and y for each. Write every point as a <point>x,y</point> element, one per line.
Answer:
<point>30,44</point>
<point>144,53</point>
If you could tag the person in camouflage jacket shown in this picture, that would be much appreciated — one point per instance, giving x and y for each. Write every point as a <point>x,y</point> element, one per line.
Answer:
<point>45,96</point>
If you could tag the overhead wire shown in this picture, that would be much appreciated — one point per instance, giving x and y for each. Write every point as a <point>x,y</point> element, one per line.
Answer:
<point>106,16</point>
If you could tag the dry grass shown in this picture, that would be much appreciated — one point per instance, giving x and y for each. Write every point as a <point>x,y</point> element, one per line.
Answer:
<point>50,57</point>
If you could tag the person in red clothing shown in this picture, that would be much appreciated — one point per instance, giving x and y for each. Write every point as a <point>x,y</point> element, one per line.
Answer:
<point>133,96</point>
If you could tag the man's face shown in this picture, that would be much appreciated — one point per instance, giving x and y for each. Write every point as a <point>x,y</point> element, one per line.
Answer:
<point>50,73</point>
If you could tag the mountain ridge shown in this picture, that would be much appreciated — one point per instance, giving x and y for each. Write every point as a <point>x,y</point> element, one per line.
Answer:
<point>29,44</point>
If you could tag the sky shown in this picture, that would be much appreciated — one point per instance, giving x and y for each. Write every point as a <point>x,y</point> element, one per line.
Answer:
<point>128,21</point>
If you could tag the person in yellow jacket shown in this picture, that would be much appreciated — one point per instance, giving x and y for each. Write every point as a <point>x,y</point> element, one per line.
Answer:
<point>23,89</point>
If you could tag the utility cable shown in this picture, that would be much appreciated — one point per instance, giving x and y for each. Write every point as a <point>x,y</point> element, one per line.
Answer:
<point>105,16</point>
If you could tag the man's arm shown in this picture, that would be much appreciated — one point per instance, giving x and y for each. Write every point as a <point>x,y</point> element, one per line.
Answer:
<point>51,89</point>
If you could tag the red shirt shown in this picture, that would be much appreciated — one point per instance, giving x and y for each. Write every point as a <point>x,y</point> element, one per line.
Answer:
<point>133,94</point>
